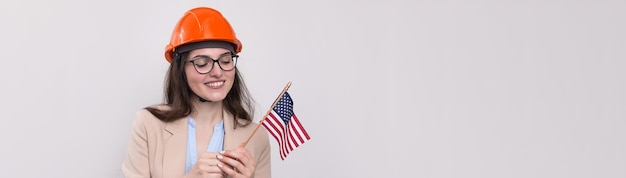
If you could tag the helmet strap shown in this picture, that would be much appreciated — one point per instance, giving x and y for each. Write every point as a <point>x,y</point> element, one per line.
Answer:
<point>176,56</point>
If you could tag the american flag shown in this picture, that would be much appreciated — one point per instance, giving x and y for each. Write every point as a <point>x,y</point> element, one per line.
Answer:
<point>285,127</point>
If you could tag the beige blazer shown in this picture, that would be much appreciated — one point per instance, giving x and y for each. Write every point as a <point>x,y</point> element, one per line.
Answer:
<point>158,150</point>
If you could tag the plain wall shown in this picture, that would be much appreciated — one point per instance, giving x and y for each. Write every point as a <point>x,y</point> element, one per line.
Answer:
<point>433,89</point>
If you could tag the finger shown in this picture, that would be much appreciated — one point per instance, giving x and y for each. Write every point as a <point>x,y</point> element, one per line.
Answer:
<point>209,165</point>
<point>209,159</point>
<point>231,171</point>
<point>213,169</point>
<point>207,155</point>
<point>240,154</point>
<point>245,165</point>
<point>230,161</point>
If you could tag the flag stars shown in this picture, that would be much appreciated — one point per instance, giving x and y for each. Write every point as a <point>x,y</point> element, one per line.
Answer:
<point>284,108</point>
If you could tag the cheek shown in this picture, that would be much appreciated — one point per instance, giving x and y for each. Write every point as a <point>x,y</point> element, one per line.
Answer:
<point>230,77</point>
<point>192,75</point>
<point>230,74</point>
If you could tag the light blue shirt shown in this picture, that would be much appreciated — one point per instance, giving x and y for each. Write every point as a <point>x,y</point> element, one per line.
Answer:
<point>215,145</point>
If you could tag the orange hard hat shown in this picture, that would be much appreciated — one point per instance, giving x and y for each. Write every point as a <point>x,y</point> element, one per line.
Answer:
<point>201,24</point>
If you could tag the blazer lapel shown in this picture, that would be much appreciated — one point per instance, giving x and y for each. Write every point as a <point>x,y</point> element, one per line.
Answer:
<point>232,138</point>
<point>175,152</point>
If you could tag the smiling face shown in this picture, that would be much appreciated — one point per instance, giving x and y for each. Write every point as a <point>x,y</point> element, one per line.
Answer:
<point>212,86</point>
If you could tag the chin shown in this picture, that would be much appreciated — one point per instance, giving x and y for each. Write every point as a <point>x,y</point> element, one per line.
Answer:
<point>215,98</point>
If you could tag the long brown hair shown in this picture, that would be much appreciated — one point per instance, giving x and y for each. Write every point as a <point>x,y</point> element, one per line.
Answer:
<point>177,95</point>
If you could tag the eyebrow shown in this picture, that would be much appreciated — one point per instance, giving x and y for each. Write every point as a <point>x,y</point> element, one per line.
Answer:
<point>205,56</point>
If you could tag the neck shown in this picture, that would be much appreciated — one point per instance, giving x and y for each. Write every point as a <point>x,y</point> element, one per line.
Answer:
<point>207,112</point>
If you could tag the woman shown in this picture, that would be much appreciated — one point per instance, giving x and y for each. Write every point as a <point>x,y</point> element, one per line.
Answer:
<point>207,112</point>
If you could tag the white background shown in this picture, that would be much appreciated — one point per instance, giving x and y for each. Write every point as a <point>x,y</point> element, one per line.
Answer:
<point>436,89</point>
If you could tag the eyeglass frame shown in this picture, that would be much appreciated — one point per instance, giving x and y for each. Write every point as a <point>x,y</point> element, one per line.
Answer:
<point>234,58</point>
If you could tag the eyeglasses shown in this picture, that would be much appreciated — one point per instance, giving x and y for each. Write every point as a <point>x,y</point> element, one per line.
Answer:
<point>204,64</point>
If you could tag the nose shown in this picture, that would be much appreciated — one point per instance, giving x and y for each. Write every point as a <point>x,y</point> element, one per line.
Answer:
<point>216,71</point>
